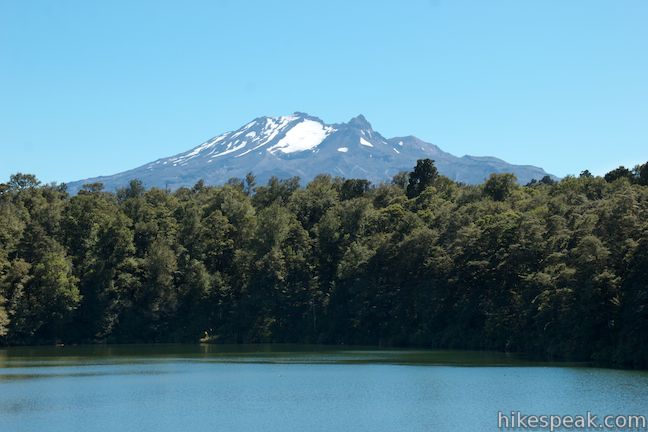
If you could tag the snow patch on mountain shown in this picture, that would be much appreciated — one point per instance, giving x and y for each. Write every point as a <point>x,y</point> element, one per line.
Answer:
<point>230,149</point>
<point>273,127</point>
<point>304,136</point>
<point>195,152</point>
<point>366,143</point>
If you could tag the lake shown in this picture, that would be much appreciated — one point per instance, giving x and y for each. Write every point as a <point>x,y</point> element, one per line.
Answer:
<point>294,388</point>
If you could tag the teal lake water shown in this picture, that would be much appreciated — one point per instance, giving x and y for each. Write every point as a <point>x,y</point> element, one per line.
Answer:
<point>293,388</point>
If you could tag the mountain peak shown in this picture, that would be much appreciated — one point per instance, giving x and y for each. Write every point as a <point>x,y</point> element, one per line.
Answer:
<point>360,122</point>
<point>303,145</point>
<point>302,114</point>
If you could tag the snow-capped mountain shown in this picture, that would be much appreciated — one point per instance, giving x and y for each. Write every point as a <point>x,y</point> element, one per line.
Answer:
<point>303,145</point>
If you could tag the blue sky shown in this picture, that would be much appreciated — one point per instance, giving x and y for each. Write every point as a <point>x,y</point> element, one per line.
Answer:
<point>90,88</point>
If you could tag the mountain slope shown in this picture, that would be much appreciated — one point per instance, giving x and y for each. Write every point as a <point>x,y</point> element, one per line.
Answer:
<point>303,145</point>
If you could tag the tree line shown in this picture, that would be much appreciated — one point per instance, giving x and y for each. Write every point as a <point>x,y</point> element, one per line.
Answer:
<point>555,269</point>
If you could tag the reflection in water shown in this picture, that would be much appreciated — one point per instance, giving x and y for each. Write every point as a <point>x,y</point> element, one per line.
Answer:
<point>293,388</point>
<point>268,353</point>
<point>76,374</point>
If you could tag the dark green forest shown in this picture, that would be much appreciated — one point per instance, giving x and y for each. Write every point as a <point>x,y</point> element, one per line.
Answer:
<point>557,270</point>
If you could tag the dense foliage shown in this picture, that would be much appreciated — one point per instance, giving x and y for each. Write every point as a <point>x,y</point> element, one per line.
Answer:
<point>555,269</point>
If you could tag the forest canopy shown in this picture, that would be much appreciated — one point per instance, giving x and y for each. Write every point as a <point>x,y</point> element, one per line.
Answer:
<point>555,269</point>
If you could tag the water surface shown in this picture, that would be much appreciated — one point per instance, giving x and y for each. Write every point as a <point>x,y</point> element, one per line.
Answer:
<point>294,388</point>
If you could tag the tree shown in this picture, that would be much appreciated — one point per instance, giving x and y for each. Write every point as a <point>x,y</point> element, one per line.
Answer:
<point>92,188</point>
<point>276,190</point>
<point>4,318</point>
<point>619,173</point>
<point>236,183</point>
<point>41,297</point>
<point>500,186</point>
<point>633,301</point>
<point>401,179</point>
<point>423,176</point>
<point>250,183</point>
<point>310,204</point>
<point>216,243</point>
<point>194,293</point>
<point>98,236</point>
<point>200,186</point>
<point>547,180</point>
<point>13,286</point>
<point>642,174</point>
<point>54,294</point>
<point>20,181</point>
<point>159,293</point>
<point>354,188</point>
<point>134,189</point>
